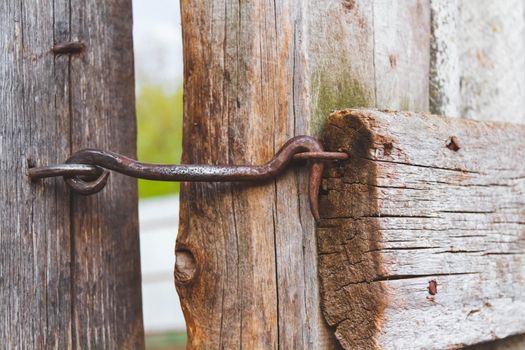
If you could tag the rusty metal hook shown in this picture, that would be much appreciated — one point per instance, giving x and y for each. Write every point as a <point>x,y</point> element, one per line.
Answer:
<point>86,171</point>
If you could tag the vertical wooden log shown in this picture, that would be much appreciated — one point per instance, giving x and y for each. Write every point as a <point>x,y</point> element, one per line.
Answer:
<point>255,75</point>
<point>444,63</point>
<point>69,265</point>
<point>492,60</point>
<point>106,265</point>
<point>478,64</point>
<point>35,301</point>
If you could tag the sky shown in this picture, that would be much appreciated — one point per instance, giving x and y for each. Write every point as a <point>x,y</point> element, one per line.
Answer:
<point>157,43</point>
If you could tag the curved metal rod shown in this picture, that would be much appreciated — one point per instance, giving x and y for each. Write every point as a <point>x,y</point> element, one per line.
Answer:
<point>300,147</point>
<point>66,170</point>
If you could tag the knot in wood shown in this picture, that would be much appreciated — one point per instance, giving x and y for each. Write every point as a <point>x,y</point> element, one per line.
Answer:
<point>185,266</point>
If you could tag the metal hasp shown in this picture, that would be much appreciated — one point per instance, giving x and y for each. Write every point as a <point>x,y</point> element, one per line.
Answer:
<point>86,172</point>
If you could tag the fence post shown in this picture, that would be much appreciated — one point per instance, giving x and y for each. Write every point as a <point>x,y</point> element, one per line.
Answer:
<point>69,265</point>
<point>257,73</point>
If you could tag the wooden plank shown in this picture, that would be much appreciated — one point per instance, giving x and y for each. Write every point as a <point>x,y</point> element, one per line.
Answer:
<point>69,266</point>
<point>257,73</point>
<point>422,231</point>
<point>478,68</point>
<point>402,54</point>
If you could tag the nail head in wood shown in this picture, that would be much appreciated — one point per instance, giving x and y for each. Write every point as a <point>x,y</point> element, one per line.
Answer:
<point>68,48</point>
<point>452,144</point>
<point>432,287</point>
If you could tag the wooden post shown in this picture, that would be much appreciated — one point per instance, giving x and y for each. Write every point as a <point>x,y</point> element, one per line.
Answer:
<point>257,73</point>
<point>69,265</point>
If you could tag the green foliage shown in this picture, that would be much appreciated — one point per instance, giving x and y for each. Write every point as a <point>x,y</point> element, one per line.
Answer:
<point>170,340</point>
<point>159,134</point>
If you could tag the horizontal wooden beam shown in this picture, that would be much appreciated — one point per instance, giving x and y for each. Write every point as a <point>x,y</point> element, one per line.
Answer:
<point>422,240</point>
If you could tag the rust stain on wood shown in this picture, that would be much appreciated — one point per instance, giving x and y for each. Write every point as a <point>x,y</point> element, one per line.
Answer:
<point>432,287</point>
<point>393,60</point>
<point>351,240</point>
<point>348,4</point>
<point>453,144</point>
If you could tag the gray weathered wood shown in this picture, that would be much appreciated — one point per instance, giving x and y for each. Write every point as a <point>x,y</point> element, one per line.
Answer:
<point>69,265</point>
<point>257,73</point>
<point>423,199</point>
<point>444,65</point>
<point>478,59</point>
<point>478,67</point>
<point>492,59</point>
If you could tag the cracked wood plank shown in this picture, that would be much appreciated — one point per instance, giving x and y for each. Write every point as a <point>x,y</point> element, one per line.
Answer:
<point>422,241</point>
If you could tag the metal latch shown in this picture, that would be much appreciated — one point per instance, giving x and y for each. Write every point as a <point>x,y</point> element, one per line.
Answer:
<point>86,171</point>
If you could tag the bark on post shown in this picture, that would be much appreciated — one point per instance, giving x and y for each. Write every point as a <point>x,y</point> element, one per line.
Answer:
<point>69,265</point>
<point>257,73</point>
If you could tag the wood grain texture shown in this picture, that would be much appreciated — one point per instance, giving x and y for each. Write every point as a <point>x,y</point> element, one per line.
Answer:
<point>233,274</point>
<point>445,97</point>
<point>257,73</point>
<point>492,59</point>
<point>478,68</point>
<point>478,59</point>
<point>69,265</point>
<point>402,54</point>
<point>419,235</point>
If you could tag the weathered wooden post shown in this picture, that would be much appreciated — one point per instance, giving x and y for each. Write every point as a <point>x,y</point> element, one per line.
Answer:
<point>422,231</point>
<point>69,265</point>
<point>257,73</point>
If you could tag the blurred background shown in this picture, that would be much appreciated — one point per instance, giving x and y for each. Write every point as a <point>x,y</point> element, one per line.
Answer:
<point>158,76</point>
